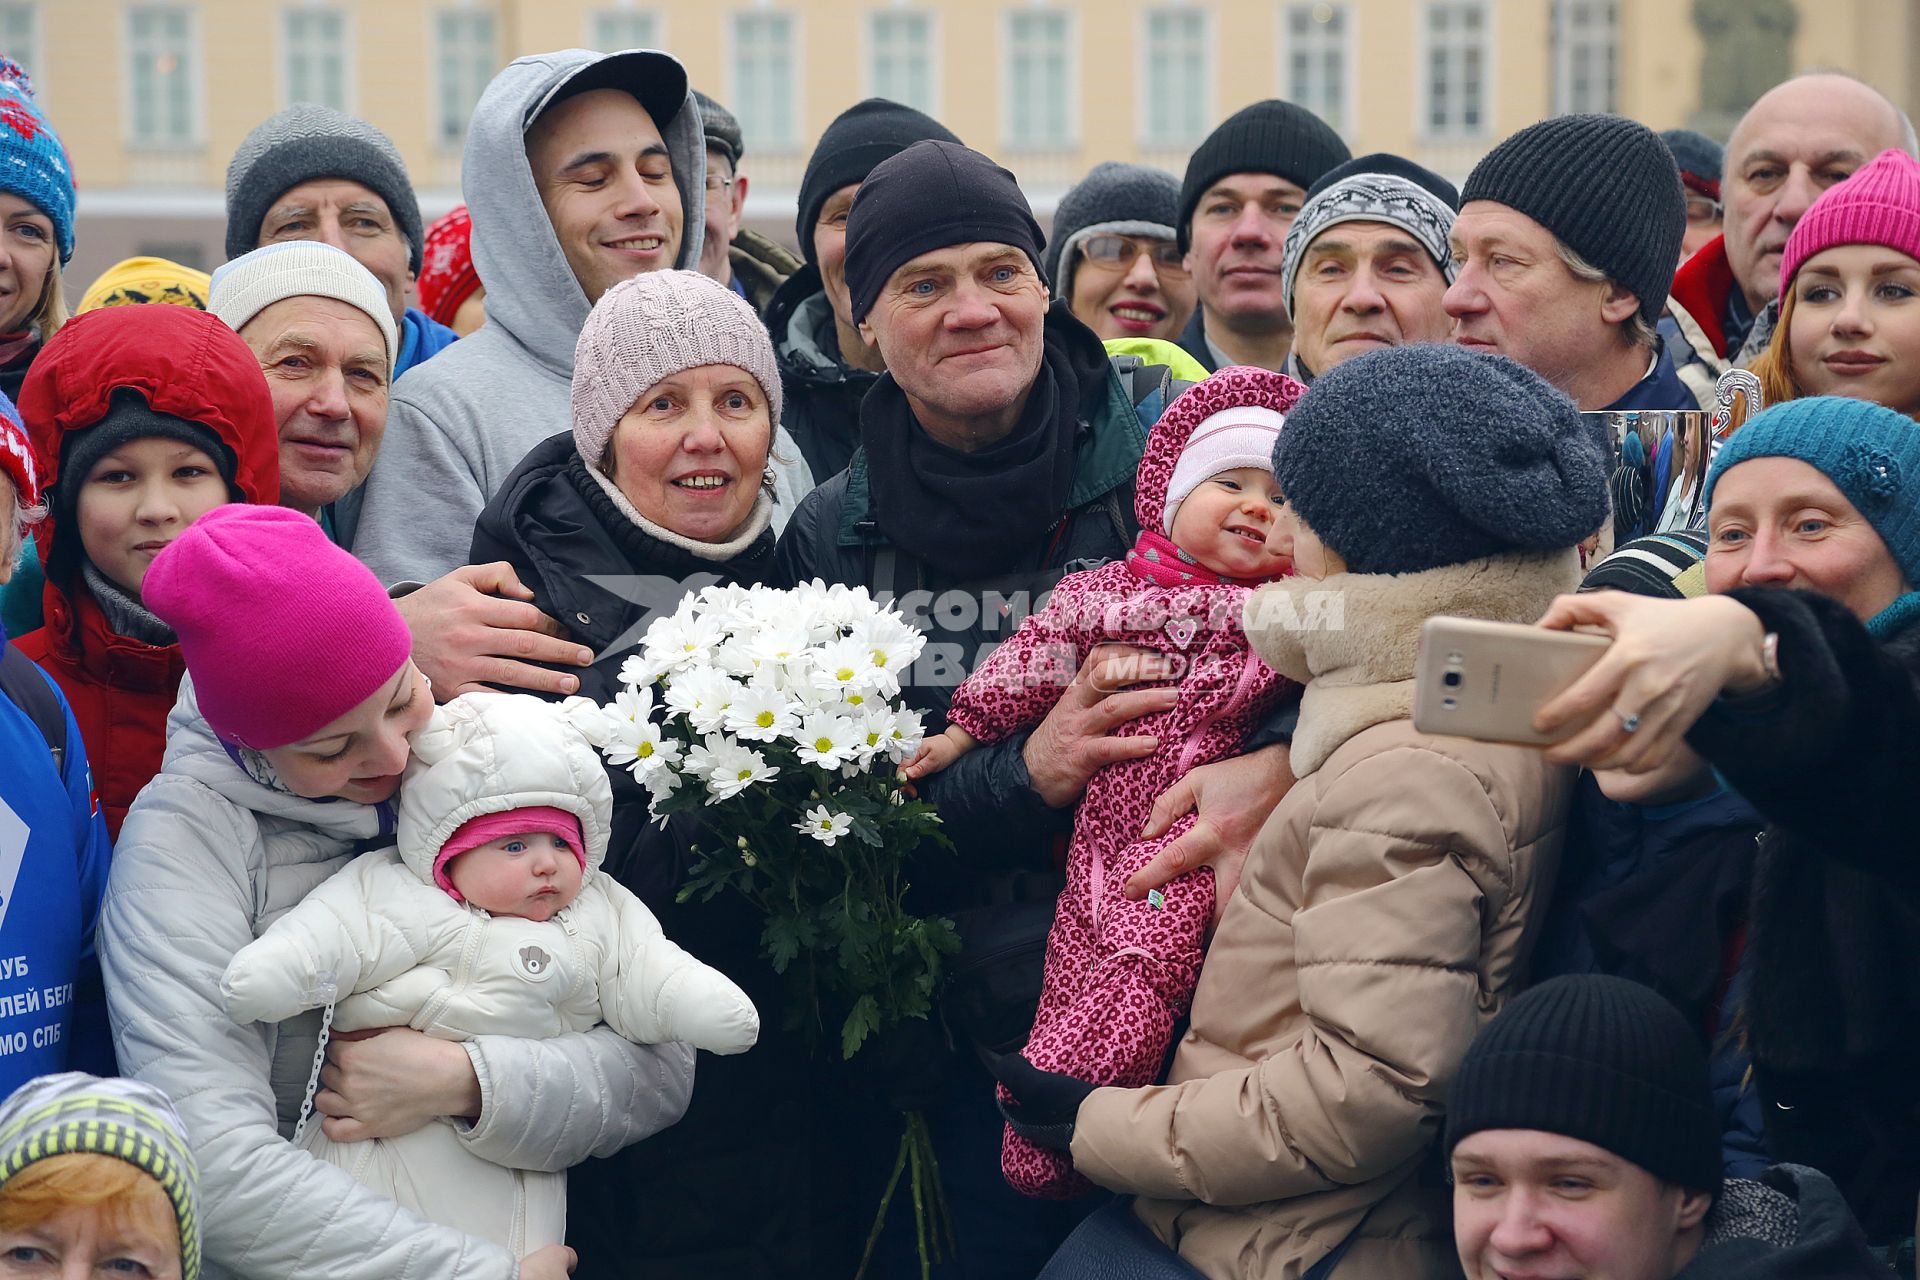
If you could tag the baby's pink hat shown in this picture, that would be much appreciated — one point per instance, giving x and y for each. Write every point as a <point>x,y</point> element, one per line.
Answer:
<point>282,631</point>
<point>1879,204</point>
<point>488,827</point>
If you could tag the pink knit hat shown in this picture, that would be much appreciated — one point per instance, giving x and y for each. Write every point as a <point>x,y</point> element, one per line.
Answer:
<point>488,827</point>
<point>1879,204</point>
<point>282,631</point>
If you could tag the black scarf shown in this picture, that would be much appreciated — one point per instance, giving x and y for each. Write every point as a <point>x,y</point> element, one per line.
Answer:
<point>973,515</point>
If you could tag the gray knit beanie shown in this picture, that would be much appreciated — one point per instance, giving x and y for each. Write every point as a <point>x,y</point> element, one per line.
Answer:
<point>651,327</point>
<point>1113,199</point>
<point>1394,198</point>
<point>305,142</point>
<point>1427,455</point>
<point>77,1114</point>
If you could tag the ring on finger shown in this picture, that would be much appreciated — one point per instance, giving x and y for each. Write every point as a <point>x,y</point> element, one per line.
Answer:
<point>1629,720</point>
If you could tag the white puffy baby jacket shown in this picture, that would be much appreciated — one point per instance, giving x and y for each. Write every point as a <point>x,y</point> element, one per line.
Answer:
<point>394,949</point>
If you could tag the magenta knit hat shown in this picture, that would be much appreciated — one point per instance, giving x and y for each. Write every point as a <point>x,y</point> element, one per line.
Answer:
<point>488,827</point>
<point>282,632</point>
<point>1879,204</point>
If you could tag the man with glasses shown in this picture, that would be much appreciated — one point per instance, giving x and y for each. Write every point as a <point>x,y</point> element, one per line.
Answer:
<point>1113,256</point>
<point>1244,185</point>
<point>745,261</point>
<point>1698,158</point>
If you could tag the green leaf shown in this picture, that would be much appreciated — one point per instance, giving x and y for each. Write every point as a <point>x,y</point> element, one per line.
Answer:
<point>782,941</point>
<point>862,1020</point>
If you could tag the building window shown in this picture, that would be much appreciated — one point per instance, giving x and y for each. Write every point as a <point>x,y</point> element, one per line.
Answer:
<point>900,64</point>
<point>1178,100</point>
<point>1585,45</point>
<point>163,75</point>
<point>1040,80</point>
<point>20,40</point>
<point>1456,88</point>
<point>766,80</point>
<point>1316,45</point>
<point>615,29</point>
<point>315,44</point>
<point>466,59</point>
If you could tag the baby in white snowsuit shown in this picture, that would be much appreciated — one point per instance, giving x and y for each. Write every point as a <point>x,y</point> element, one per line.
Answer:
<point>490,917</point>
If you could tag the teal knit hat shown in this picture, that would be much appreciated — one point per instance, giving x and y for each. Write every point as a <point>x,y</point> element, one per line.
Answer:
<point>1870,452</point>
<point>78,1114</point>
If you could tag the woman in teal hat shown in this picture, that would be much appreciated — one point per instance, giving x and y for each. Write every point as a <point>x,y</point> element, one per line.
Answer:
<point>1799,681</point>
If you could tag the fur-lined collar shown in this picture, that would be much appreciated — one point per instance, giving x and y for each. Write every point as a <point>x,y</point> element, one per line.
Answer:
<point>1352,639</point>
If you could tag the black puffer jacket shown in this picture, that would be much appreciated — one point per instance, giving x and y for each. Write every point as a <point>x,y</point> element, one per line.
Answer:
<point>822,391</point>
<point>1830,759</point>
<point>729,1191</point>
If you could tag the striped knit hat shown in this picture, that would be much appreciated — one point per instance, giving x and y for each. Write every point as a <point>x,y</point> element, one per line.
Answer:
<point>1666,566</point>
<point>78,1114</point>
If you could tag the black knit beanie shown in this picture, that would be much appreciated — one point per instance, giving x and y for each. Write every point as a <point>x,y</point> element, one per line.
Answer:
<point>1606,186</point>
<point>858,139</point>
<point>1274,137</point>
<point>931,195</point>
<point>1599,1059</point>
<point>1397,166</point>
<point>1426,455</point>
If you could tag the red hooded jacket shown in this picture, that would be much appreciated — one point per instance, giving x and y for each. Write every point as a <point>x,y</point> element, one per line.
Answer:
<point>191,365</point>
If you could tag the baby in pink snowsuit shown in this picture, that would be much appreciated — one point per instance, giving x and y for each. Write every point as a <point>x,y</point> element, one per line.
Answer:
<point>1120,973</point>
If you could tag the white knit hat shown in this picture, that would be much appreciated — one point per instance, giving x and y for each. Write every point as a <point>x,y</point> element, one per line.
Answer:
<point>645,330</point>
<point>1240,436</point>
<point>252,282</point>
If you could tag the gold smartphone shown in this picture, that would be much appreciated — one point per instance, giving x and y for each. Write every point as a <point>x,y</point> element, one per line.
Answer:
<point>1485,680</point>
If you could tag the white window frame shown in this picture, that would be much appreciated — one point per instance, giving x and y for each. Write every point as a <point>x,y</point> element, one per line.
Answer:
<point>196,138</point>
<point>1145,114</point>
<point>656,26</point>
<point>870,54</point>
<point>1564,46</point>
<point>1349,13</point>
<point>435,45</point>
<point>32,56</point>
<point>348,68</point>
<point>1455,133</point>
<point>757,136</point>
<point>1070,141</point>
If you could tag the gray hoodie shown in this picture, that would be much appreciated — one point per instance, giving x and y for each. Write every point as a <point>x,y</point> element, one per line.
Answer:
<point>460,423</point>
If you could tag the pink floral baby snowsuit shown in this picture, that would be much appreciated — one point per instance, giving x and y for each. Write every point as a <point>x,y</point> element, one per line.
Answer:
<point>1119,973</point>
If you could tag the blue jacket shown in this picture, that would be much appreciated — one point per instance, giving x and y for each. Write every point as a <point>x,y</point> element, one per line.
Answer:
<point>421,339</point>
<point>54,855</point>
<point>1660,389</point>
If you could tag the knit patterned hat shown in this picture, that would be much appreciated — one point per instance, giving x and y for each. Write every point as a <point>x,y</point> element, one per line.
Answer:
<point>16,456</point>
<point>1394,194</point>
<point>1274,137</point>
<point>1113,199</point>
<point>859,138</point>
<point>1878,204</point>
<point>1605,186</point>
<point>1599,1059</point>
<point>1870,452</point>
<point>77,1114</point>
<point>282,631</point>
<point>134,281</point>
<point>33,163</point>
<point>1698,158</point>
<point>1666,566</point>
<point>651,327</point>
<point>932,195</point>
<point>304,143</point>
<point>1426,455</point>
<point>447,277</point>
<point>254,281</point>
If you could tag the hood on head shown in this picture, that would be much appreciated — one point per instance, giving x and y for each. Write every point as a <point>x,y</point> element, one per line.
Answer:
<point>490,752</point>
<point>1233,386</point>
<point>531,291</point>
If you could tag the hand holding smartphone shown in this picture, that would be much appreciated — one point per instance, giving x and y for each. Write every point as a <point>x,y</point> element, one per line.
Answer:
<point>1485,680</point>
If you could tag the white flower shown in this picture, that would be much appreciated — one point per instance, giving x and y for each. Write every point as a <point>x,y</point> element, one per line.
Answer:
<point>827,740</point>
<point>728,768</point>
<point>702,694</point>
<point>637,671</point>
<point>891,646</point>
<point>639,747</point>
<point>824,825</point>
<point>761,713</point>
<point>777,648</point>
<point>686,637</point>
<point>903,735</point>
<point>660,784</point>
<point>845,668</point>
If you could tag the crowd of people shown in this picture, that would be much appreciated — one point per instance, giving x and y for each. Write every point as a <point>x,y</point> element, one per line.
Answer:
<point>328,946</point>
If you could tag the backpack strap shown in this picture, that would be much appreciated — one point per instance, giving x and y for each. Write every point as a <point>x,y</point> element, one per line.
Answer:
<point>24,686</point>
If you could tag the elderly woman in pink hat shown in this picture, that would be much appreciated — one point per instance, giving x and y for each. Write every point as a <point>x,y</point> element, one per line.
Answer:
<point>284,755</point>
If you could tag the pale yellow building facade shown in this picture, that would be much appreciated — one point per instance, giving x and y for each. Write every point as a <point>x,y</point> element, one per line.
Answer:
<point>152,96</point>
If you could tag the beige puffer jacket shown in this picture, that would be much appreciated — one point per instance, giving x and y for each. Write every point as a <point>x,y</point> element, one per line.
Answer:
<point>1385,914</point>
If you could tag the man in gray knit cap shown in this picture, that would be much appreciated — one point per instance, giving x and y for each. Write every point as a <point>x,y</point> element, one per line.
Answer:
<point>312,173</point>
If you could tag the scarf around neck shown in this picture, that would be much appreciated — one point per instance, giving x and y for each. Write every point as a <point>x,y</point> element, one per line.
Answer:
<point>973,515</point>
<point>124,614</point>
<point>1160,560</point>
